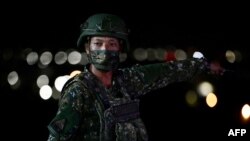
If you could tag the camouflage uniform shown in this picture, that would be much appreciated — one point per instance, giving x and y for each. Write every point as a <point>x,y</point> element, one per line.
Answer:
<point>90,112</point>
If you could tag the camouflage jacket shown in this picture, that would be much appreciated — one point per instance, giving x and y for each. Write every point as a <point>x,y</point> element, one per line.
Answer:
<point>87,110</point>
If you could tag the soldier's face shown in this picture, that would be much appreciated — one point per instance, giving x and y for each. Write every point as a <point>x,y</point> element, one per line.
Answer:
<point>103,53</point>
<point>104,43</point>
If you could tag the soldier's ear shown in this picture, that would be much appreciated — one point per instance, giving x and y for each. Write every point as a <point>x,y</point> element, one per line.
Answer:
<point>87,44</point>
<point>87,47</point>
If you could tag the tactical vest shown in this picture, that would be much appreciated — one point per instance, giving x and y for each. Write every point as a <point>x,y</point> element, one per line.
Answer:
<point>120,122</point>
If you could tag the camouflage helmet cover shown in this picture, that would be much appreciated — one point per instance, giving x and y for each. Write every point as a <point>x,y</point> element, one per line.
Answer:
<point>104,25</point>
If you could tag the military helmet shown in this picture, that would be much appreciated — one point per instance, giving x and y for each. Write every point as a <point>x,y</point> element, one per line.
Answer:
<point>104,25</point>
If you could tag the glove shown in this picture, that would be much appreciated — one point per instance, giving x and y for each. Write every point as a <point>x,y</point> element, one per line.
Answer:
<point>216,68</point>
<point>198,55</point>
<point>212,68</point>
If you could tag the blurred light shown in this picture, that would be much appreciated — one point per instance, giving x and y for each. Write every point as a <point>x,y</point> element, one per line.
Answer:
<point>45,92</point>
<point>123,57</point>
<point>46,58</point>
<point>191,98</point>
<point>74,57</point>
<point>73,73</point>
<point>238,56</point>
<point>205,88</point>
<point>42,80</point>
<point>180,54</point>
<point>170,55</point>
<point>12,78</point>
<point>60,81</point>
<point>245,111</point>
<point>151,54</point>
<point>230,56</point>
<point>60,58</point>
<point>160,54</point>
<point>32,58</point>
<point>211,100</point>
<point>140,54</point>
<point>56,94</point>
<point>84,59</point>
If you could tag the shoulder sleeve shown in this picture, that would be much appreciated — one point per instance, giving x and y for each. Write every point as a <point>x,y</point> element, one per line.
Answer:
<point>67,119</point>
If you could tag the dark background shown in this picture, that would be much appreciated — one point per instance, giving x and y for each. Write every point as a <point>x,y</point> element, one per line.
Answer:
<point>210,29</point>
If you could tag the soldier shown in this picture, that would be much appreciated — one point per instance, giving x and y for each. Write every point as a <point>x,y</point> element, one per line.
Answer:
<point>102,102</point>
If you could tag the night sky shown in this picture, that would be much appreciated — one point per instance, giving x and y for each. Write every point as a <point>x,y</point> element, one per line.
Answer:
<point>165,112</point>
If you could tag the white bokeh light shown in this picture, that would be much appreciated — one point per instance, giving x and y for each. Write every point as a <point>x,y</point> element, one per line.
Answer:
<point>60,58</point>
<point>180,54</point>
<point>205,88</point>
<point>12,78</point>
<point>46,58</point>
<point>42,80</point>
<point>32,58</point>
<point>245,111</point>
<point>60,81</point>
<point>45,92</point>
<point>74,57</point>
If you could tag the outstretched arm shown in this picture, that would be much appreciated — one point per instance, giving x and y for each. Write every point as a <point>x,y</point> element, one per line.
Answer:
<point>143,79</point>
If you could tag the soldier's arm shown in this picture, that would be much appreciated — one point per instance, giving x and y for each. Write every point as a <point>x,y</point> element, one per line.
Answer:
<point>66,122</point>
<point>153,76</point>
<point>173,71</point>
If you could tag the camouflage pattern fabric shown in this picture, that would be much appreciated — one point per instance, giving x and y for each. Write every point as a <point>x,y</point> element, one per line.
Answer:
<point>84,107</point>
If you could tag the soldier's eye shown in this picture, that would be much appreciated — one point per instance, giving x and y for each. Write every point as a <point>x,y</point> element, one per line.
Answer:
<point>113,44</point>
<point>98,44</point>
